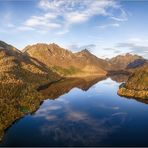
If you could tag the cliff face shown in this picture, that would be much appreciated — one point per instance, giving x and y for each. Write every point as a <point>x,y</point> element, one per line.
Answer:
<point>137,84</point>
<point>65,62</point>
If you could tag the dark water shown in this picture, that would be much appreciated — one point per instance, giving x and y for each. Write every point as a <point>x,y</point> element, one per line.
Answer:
<point>84,116</point>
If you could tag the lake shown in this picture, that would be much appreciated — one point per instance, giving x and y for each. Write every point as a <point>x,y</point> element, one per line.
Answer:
<point>82,113</point>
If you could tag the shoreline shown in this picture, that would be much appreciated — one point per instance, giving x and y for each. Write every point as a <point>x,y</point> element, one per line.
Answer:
<point>136,94</point>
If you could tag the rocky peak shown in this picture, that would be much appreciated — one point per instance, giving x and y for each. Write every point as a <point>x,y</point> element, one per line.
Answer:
<point>84,52</point>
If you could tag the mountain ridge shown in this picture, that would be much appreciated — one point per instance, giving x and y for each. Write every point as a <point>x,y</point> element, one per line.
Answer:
<point>64,62</point>
<point>53,55</point>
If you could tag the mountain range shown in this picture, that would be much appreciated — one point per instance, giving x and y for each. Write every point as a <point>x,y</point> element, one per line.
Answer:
<point>66,63</point>
<point>40,64</point>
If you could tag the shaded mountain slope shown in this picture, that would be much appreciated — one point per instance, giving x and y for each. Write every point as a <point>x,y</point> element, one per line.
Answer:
<point>137,63</point>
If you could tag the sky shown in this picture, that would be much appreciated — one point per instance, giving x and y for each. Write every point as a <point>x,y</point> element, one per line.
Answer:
<point>105,27</point>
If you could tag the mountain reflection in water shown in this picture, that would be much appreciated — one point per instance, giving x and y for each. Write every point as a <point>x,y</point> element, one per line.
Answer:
<point>79,112</point>
<point>12,109</point>
<point>63,86</point>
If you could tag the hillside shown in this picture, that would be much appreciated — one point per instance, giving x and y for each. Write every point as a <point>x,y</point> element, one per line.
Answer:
<point>137,84</point>
<point>89,58</point>
<point>20,76</point>
<point>16,65</point>
<point>66,63</point>
<point>121,62</point>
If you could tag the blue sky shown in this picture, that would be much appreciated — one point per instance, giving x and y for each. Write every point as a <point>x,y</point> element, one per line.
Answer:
<point>106,27</point>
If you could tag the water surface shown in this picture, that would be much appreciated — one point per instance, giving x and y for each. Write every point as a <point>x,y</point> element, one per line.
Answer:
<point>82,113</point>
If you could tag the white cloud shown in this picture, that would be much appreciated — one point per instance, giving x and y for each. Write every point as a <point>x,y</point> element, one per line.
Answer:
<point>61,14</point>
<point>76,11</point>
<point>45,4</point>
<point>76,17</point>
<point>109,25</point>
<point>45,22</point>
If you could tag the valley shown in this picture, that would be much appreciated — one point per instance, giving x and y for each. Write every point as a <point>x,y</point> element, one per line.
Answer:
<point>43,71</point>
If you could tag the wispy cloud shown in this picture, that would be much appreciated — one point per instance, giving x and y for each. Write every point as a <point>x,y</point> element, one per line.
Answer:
<point>114,50</point>
<point>77,47</point>
<point>77,11</point>
<point>117,18</point>
<point>135,45</point>
<point>61,14</point>
<point>109,25</point>
<point>132,45</point>
<point>122,17</point>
